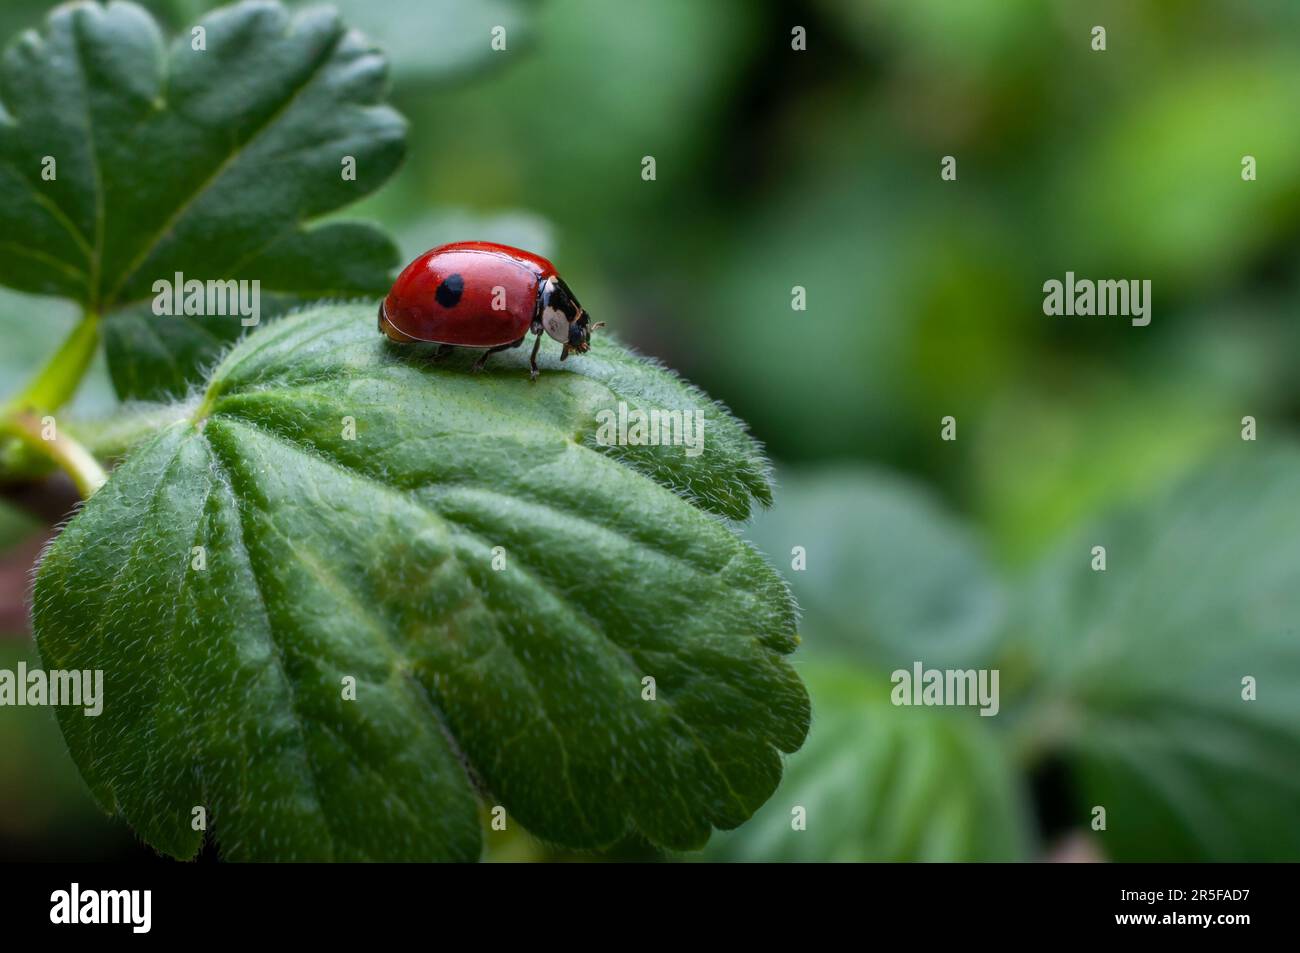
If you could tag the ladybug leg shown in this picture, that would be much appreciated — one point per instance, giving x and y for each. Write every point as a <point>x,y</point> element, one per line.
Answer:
<point>532,361</point>
<point>478,365</point>
<point>443,351</point>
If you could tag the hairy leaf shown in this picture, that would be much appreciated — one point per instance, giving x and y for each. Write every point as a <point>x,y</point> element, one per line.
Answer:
<point>498,584</point>
<point>125,161</point>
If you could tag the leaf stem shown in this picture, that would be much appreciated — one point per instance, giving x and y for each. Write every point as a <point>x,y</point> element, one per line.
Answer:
<point>59,379</point>
<point>70,456</point>
<point>107,440</point>
<point>51,388</point>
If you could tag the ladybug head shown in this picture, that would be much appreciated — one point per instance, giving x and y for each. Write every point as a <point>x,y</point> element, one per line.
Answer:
<point>564,319</point>
<point>580,335</point>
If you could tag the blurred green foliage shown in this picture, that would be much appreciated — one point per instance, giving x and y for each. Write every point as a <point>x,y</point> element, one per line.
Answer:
<point>1140,673</point>
<point>1131,678</point>
<point>876,782</point>
<point>46,812</point>
<point>820,169</point>
<point>885,573</point>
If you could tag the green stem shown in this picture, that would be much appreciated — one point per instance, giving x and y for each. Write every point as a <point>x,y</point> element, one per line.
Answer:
<point>107,440</point>
<point>24,416</point>
<point>58,380</point>
<point>70,456</point>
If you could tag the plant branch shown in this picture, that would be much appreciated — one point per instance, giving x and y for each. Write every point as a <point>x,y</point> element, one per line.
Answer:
<point>51,388</point>
<point>61,448</point>
<point>58,380</point>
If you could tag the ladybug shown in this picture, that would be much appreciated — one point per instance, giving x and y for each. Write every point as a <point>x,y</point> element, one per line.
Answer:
<point>481,294</point>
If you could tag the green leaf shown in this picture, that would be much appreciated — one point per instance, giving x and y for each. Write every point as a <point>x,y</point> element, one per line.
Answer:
<point>1144,664</point>
<point>891,577</point>
<point>883,783</point>
<point>205,162</point>
<point>373,557</point>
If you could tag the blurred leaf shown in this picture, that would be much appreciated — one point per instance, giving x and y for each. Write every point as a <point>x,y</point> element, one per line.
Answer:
<point>519,228</point>
<point>950,37</point>
<point>1144,665</point>
<point>886,783</point>
<point>246,140</point>
<point>1053,454</point>
<point>891,577</point>
<point>565,128</point>
<point>16,15</point>
<point>372,557</point>
<point>786,390</point>
<point>431,40</point>
<point>1155,189</point>
<point>890,331</point>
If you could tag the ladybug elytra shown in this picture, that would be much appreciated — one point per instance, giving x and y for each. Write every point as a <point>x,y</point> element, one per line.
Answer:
<point>481,294</point>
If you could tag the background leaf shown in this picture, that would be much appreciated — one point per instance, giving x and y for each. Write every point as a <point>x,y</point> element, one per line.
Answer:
<point>371,557</point>
<point>204,162</point>
<point>1125,192</point>
<point>1143,666</point>
<point>1041,468</point>
<point>886,783</point>
<point>892,577</point>
<point>437,40</point>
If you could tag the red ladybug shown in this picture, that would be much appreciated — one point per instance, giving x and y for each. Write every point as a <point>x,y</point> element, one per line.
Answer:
<point>481,294</point>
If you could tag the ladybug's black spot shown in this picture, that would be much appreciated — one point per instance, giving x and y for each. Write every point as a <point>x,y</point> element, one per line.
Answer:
<point>449,292</point>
